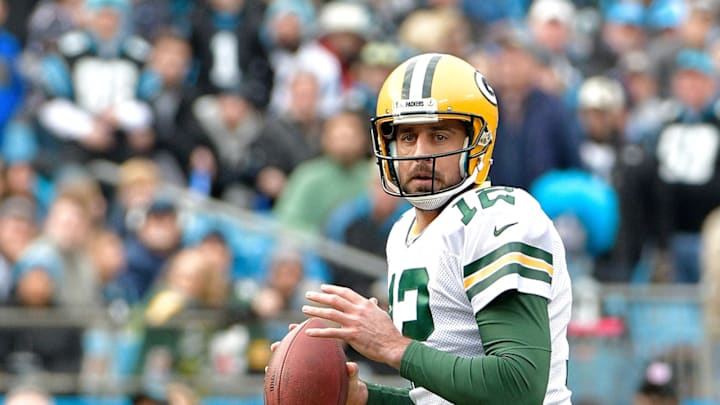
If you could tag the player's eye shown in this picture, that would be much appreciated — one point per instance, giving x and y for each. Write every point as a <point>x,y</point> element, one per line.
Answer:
<point>407,137</point>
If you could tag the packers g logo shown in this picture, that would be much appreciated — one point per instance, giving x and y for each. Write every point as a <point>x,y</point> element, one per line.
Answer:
<point>485,88</point>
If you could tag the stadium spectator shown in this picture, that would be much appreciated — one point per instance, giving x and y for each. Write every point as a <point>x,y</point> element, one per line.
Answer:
<point>639,77</point>
<point>287,139</point>
<point>49,21</point>
<point>107,253</point>
<point>376,61</point>
<point>695,29</point>
<point>601,107</point>
<point>219,255</point>
<point>535,133</point>
<point>92,82</point>
<point>182,285</point>
<point>231,60</point>
<point>138,182</point>
<point>552,27</point>
<point>342,28</point>
<point>23,177</point>
<point>150,247</point>
<point>622,31</point>
<point>688,166</point>
<point>234,78</point>
<point>284,287</point>
<point>606,152</point>
<point>451,28</point>
<point>170,94</point>
<point>31,349</point>
<point>287,26</point>
<point>148,17</point>
<point>18,228</point>
<point>320,184</point>
<point>60,249</point>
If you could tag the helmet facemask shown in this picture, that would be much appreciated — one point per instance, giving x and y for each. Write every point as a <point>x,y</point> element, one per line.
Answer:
<point>477,145</point>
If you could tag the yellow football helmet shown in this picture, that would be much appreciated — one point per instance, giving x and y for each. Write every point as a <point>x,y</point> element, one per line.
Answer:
<point>428,88</point>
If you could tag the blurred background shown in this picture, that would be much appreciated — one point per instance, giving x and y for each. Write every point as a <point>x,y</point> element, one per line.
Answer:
<point>175,174</point>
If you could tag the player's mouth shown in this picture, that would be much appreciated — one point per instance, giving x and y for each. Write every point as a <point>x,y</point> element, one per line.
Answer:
<point>422,183</point>
<point>422,178</point>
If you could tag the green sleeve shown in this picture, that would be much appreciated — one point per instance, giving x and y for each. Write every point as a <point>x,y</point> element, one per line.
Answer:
<point>384,395</point>
<point>515,332</point>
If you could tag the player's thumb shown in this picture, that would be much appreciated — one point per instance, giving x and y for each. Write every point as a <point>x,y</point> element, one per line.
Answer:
<point>352,369</point>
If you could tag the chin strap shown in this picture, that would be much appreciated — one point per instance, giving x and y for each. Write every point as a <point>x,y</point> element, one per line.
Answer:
<point>435,201</point>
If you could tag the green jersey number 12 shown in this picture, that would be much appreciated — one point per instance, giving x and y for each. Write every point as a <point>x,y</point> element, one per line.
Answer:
<point>411,311</point>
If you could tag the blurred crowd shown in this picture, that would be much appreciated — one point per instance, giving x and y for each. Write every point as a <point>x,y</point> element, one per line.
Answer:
<point>609,115</point>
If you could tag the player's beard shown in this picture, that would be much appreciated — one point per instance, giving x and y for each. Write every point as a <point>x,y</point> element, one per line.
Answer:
<point>432,180</point>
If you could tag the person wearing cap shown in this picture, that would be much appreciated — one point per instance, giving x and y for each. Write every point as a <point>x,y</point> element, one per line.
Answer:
<point>552,26</point>
<point>341,30</point>
<point>688,164</point>
<point>288,25</point>
<point>694,28</point>
<point>93,108</point>
<point>149,248</point>
<point>601,109</point>
<point>622,30</point>
<point>377,59</point>
<point>639,76</point>
<point>606,153</point>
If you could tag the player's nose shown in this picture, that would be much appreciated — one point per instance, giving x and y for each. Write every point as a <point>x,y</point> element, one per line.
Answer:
<point>423,145</point>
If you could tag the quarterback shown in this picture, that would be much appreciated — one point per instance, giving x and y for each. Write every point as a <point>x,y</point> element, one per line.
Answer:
<point>478,287</point>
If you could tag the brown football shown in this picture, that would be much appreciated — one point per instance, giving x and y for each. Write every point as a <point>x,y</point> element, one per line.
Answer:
<point>306,370</point>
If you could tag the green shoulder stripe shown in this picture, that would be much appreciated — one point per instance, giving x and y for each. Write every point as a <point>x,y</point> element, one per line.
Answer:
<point>520,247</point>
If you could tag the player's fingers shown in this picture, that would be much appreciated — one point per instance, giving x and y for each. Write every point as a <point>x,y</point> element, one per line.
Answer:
<point>326,313</point>
<point>374,300</point>
<point>274,346</point>
<point>292,326</point>
<point>330,300</point>
<point>344,292</point>
<point>335,333</point>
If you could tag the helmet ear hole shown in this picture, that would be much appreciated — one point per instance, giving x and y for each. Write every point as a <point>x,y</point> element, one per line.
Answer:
<point>387,130</point>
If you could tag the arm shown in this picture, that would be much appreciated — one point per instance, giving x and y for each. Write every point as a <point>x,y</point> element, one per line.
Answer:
<point>516,337</point>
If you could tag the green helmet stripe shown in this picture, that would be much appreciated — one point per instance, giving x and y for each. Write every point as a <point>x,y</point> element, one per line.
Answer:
<point>429,73</point>
<point>407,79</point>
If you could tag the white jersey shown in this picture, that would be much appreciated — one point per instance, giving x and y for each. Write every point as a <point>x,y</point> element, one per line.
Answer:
<point>485,242</point>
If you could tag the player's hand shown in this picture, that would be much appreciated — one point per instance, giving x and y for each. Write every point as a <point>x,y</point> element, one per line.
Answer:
<point>363,324</point>
<point>357,390</point>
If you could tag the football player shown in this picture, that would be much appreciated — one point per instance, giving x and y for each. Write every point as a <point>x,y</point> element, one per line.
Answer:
<point>479,292</point>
